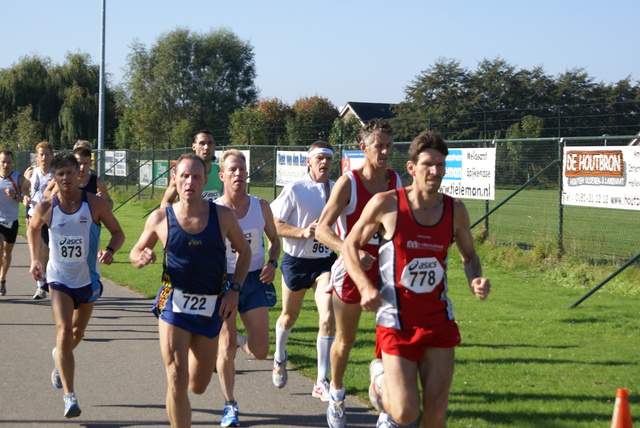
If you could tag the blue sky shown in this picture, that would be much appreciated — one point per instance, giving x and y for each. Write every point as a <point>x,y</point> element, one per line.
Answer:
<point>347,50</point>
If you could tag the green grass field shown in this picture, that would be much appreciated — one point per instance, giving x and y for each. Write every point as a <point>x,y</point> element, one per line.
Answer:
<point>525,361</point>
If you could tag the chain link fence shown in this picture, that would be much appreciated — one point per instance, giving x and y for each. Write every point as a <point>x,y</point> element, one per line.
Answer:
<point>528,177</point>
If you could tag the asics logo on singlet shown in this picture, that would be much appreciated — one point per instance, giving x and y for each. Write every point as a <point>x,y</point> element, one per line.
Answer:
<point>69,241</point>
<point>195,243</point>
<point>417,264</point>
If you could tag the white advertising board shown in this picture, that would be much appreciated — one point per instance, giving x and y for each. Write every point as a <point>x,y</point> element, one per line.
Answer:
<point>471,174</point>
<point>290,167</point>
<point>606,177</point>
<point>115,162</point>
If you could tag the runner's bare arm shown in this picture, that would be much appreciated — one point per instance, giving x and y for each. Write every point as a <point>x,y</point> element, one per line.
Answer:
<point>478,284</point>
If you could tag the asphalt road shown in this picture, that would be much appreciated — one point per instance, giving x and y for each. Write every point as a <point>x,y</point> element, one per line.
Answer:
<point>120,379</point>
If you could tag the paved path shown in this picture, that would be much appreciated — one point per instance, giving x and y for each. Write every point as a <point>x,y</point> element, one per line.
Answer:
<point>120,379</point>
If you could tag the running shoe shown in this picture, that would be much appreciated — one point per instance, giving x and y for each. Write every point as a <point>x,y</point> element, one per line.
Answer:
<point>55,375</point>
<point>241,340</point>
<point>385,421</point>
<point>336,417</point>
<point>40,294</point>
<point>3,288</point>
<point>376,373</point>
<point>230,415</point>
<point>321,390</point>
<point>71,408</point>
<point>279,375</point>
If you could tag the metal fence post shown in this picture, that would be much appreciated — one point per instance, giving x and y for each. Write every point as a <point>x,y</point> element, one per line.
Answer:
<point>560,206</point>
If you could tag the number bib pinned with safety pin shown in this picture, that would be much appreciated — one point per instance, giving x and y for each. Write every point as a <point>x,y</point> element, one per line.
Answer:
<point>422,275</point>
<point>194,304</point>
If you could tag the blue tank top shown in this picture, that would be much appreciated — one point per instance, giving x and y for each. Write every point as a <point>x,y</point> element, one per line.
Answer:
<point>195,264</point>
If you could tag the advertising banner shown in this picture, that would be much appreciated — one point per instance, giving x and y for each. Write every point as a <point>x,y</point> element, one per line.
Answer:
<point>290,167</point>
<point>115,162</point>
<point>471,174</point>
<point>607,177</point>
<point>351,159</point>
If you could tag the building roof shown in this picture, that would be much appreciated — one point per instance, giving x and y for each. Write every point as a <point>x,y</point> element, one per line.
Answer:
<point>367,111</point>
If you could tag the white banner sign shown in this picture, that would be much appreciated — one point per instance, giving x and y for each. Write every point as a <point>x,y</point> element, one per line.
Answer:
<point>290,167</point>
<point>607,177</point>
<point>471,174</point>
<point>115,162</point>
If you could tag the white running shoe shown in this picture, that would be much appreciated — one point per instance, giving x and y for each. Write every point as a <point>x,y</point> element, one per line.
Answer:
<point>376,374</point>
<point>241,340</point>
<point>279,375</point>
<point>71,408</point>
<point>385,421</point>
<point>40,294</point>
<point>321,390</point>
<point>336,416</point>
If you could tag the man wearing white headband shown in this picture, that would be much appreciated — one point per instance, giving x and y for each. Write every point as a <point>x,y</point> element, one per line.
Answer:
<point>306,262</point>
<point>352,192</point>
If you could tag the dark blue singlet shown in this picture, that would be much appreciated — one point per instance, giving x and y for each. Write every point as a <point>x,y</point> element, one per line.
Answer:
<point>195,263</point>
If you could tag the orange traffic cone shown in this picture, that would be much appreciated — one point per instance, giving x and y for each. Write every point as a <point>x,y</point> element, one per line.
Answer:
<point>621,413</point>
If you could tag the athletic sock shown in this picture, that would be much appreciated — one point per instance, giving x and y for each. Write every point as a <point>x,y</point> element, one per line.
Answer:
<point>337,393</point>
<point>323,345</point>
<point>282,336</point>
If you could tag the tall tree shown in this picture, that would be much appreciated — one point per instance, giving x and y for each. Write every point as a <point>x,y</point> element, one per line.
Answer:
<point>312,120</point>
<point>438,99</point>
<point>63,97</point>
<point>186,76</point>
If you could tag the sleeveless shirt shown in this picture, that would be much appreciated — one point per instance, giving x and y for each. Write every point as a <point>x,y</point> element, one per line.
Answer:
<point>8,205</point>
<point>252,226</point>
<point>73,245</point>
<point>194,263</point>
<point>413,265</point>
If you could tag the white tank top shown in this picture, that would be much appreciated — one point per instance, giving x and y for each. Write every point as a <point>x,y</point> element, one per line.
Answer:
<point>8,205</point>
<point>252,226</point>
<point>39,182</point>
<point>72,245</point>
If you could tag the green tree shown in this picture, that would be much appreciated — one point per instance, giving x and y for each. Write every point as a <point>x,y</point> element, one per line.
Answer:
<point>200,78</point>
<point>63,97</point>
<point>345,132</point>
<point>438,99</point>
<point>248,127</point>
<point>312,120</point>
<point>20,132</point>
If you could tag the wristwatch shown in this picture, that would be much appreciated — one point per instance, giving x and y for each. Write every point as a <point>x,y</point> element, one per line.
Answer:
<point>274,263</point>
<point>234,286</point>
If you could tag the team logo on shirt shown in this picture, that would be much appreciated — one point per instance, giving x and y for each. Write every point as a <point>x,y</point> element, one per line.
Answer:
<point>195,243</point>
<point>417,245</point>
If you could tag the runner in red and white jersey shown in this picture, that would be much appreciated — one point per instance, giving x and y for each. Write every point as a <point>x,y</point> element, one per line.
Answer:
<point>413,264</point>
<point>343,286</point>
<point>348,198</point>
<point>415,334</point>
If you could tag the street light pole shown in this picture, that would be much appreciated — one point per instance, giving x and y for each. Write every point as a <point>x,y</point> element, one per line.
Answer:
<point>101,96</point>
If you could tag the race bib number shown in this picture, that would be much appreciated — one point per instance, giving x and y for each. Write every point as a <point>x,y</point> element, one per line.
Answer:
<point>254,239</point>
<point>72,249</point>
<point>210,195</point>
<point>194,304</point>
<point>422,275</point>
<point>314,247</point>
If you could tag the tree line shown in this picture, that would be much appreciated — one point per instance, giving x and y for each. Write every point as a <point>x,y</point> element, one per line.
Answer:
<point>187,81</point>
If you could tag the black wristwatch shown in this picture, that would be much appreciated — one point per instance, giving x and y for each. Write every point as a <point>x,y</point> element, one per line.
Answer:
<point>274,263</point>
<point>234,286</point>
